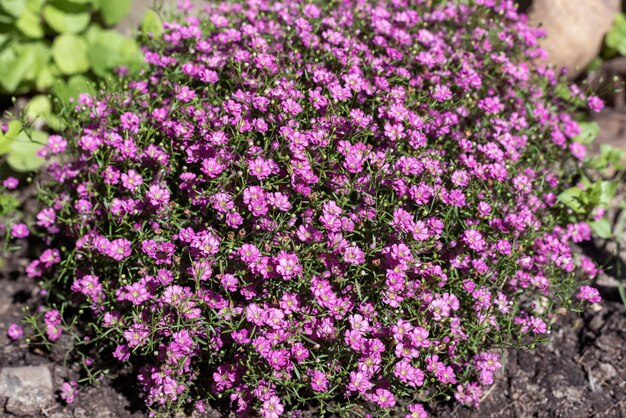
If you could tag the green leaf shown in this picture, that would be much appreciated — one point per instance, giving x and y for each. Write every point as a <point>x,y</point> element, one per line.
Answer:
<point>4,38</point>
<point>16,63</point>
<point>114,11</point>
<point>589,132</point>
<point>607,192</point>
<point>602,228</point>
<point>46,77</point>
<point>40,107</point>
<point>15,127</point>
<point>616,38</point>
<point>29,24</point>
<point>573,198</point>
<point>13,7</point>
<point>35,6</point>
<point>70,54</point>
<point>73,87</point>
<point>65,22</point>
<point>109,49</point>
<point>41,52</point>
<point>152,24</point>
<point>8,204</point>
<point>22,154</point>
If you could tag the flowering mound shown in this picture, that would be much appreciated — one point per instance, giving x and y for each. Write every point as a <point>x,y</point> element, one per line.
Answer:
<point>336,206</point>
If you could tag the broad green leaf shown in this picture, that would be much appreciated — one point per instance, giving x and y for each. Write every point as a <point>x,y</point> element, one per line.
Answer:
<point>607,192</point>
<point>35,6</point>
<point>45,78</point>
<point>29,24</point>
<point>589,132</point>
<point>616,38</point>
<point>65,22</point>
<point>15,127</point>
<point>109,49</point>
<point>152,24</point>
<point>73,87</point>
<point>612,154</point>
<point>69,6</point>
<point>573,198</point>
<point>22,154</point>
<point>38,107</point>
<point>80,1</point>
<point>41,52</point>
<point>602,228</point>
<point>114,11</point>
<point>13,7</point>
<point>601,193</point>
<point>4,38</point>
<point>70,54</point>
<point>16,64</point>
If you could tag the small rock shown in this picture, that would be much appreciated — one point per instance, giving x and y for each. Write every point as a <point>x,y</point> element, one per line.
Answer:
<point>596,323</point>
<point>28,389</point>
<point>5,302</point>
<point>99,413</point>
<point>63,414</point>
<point>607,372</point>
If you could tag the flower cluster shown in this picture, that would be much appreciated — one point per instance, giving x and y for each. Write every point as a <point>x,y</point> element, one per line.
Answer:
<point>318,204</point>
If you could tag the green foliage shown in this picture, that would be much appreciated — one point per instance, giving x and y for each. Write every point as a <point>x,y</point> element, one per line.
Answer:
<point>587,197</point>
<point>114,11</point>
<point>45,41</point>
<point>152,24</point>
<point>8,204</point>
<point>616,38</point>
<point>56,46</point>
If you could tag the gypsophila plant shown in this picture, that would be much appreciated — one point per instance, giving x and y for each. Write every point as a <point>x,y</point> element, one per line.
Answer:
<point>342,206</point>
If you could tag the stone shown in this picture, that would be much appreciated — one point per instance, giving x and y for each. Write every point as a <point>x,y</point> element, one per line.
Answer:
<point>29,389</point>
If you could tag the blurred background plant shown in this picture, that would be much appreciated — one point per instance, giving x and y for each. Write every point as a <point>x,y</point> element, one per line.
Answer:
<point>56,48</point>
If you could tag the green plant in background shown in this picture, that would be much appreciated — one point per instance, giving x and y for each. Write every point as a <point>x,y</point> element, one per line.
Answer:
<point>61,47</point>
<point>615,41</point>
<point>590,200</point>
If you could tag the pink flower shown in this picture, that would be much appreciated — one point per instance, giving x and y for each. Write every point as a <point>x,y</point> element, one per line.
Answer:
<point>416,411</point>
<point>135,293</point>
<point>384,398</point>
<point>69,391</point>
<point>56,144</point>
<point>578,150</point>
<point>319,381</point>
<point>131,180</point>
<point>287,265</point>
<point>11,183</point>
<point>595,103</point>
<point>536,325</point>
<point>272,408</point>
<point>119,249</point>
<point>359,382</point>
<point>158,195</point>
<point>15,332</point>
<point>136,335</point>
<point>589,294</point>
<point>354,255</point>
<point>19,231</point>
<point>474,240</point>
